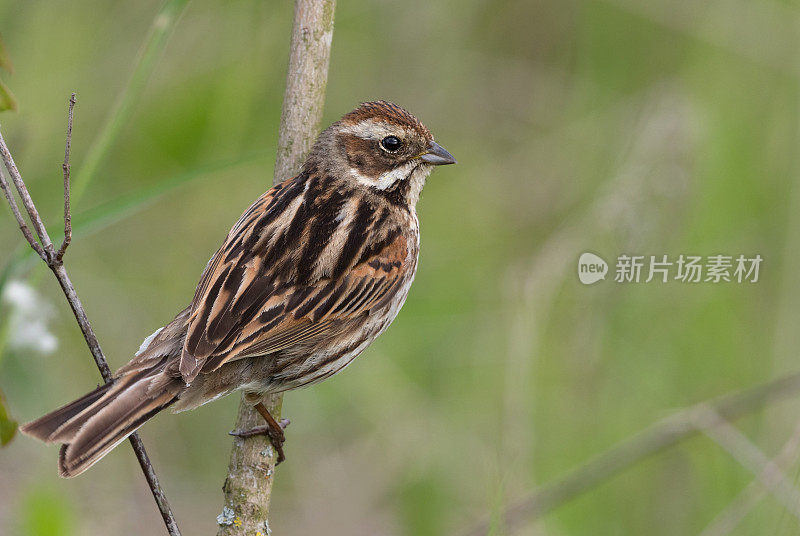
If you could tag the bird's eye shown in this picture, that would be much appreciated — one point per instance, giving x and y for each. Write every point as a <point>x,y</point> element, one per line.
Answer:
<point>391,143</point>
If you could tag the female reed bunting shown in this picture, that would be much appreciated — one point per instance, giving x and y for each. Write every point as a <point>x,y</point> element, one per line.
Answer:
<point>309,276</point>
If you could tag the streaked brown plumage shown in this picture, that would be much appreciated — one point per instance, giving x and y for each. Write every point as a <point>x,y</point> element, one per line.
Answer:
<point>309,276</point>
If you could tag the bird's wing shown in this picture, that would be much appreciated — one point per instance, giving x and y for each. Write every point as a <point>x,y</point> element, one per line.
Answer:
<point>271,286</point>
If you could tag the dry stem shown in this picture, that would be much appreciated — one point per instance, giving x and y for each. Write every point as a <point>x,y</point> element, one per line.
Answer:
<point>248,487</point>
<point>54,260</point>
<point>660,436</point>
<point>729,518</point>
<point>744,451</point>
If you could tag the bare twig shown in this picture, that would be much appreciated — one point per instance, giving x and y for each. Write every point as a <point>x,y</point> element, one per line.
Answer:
<point>65,169</point>
<point>248,486</point>
<point>27,202</point>
<point>54,261</point>
<point>749,455</point>
<point>26,232</point>
<point>658,437</point>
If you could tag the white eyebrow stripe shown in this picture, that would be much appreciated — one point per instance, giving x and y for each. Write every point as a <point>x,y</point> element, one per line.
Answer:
<point>372,129</point>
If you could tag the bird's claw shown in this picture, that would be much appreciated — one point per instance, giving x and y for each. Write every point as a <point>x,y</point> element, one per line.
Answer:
<point>276,436</point>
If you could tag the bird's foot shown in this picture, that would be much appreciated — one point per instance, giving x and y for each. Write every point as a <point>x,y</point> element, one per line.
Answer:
<point>273,430</point>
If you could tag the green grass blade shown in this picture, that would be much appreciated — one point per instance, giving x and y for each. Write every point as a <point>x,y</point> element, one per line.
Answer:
<point>102,216</point>
<point>125,206</point>
<point>8,426</point>
<point>160,30</point>
<point>7,99</point>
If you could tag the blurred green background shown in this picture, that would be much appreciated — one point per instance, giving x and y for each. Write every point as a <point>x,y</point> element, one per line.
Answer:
<point>619,126</point>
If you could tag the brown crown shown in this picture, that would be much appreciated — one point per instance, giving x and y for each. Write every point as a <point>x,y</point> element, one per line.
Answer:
<point>386,111</point>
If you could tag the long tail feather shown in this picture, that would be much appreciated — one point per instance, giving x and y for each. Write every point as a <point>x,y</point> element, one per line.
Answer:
<point>44,427</point>
<point>94,424</point>
<point>105,431</point>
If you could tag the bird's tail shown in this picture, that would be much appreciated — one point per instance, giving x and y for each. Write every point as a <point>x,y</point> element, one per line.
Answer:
<point>92,425</point>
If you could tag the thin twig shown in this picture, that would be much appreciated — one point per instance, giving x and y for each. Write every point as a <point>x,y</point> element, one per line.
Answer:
<point>248,486</point>
<point>8,160</point>
<point>27,202</point>
<point>656,438</point>
<point>65,169</point>
<point>26,232</point>
<point>56,264</point>
<point>749,456</point>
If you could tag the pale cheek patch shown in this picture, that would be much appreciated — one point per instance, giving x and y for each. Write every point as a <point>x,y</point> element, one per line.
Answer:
<point>397,174</point>
<point>387,179</point>
<point>417,182</point>
<point>377,130</point>
<point>361,178</point>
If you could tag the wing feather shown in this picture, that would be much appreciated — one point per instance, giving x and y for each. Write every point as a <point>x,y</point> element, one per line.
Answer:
<point>256,297</point>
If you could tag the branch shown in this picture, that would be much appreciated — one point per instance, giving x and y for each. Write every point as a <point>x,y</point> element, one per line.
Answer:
<point>660,436</point>
<point>54,261</point>
<point>65,169</point>
<point>248,486</point>
<point>728,519</point>
<point>26,232</point>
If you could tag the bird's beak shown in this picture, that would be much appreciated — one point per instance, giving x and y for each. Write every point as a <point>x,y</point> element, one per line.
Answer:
<point>437,155</point>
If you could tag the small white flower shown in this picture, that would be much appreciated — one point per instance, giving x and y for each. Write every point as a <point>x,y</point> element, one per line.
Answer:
<point>29,315</point>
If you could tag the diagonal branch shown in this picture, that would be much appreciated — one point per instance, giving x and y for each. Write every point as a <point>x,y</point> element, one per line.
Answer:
<point>744,451</point>
<point>728,519</point>
<point>27,202</point>
<point>54,261</point>
<point>660,436</point>
<point>26,232</point>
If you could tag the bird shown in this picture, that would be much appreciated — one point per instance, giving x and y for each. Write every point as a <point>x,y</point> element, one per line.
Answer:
<point>307,278</point>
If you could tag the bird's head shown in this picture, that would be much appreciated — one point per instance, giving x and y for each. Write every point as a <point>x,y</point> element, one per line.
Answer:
<point>382,147</point>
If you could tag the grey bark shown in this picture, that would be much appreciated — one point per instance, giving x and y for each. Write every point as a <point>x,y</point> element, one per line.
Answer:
<point>251,470</point>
